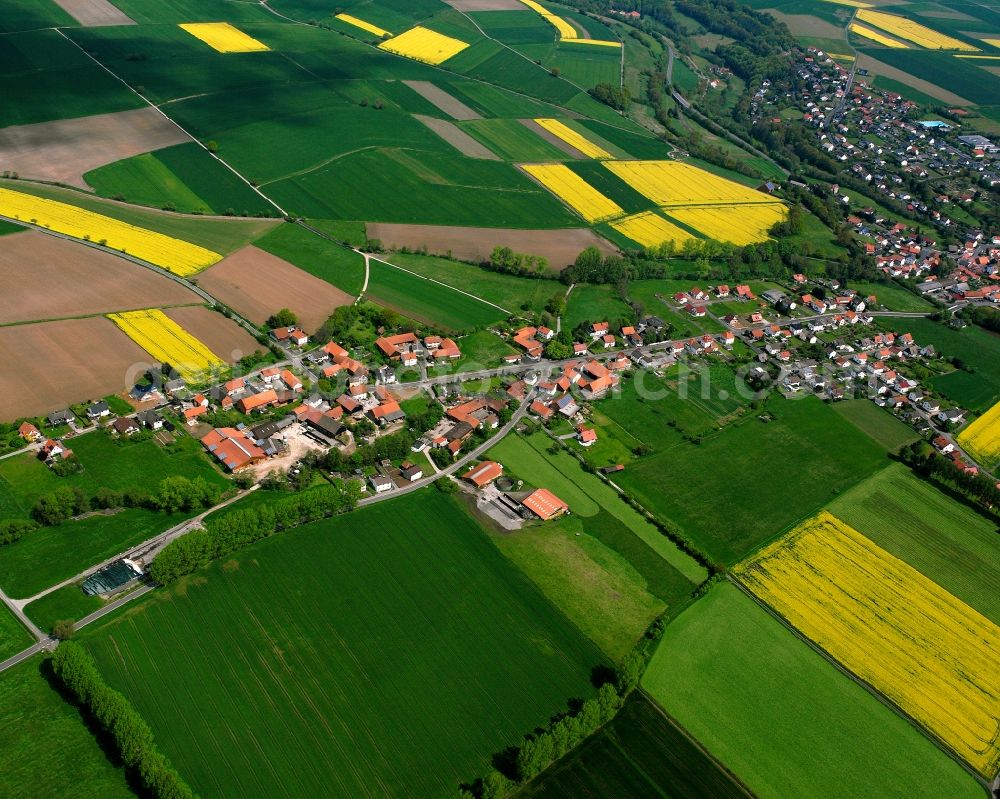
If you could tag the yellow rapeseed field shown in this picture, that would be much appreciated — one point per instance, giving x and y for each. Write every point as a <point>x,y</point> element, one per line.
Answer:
<point>573,139</point>
<point>180,257</point>
<point>992,42</point>
<point>911,31</point>
<point>932,655</point>
<point>738,224</point>
<point>979,57</point>
<point>423,44</point>
<point>669,183</point>
<point>167,342</point>
<point>365,26</point>
<point>851,3</point>
<point>875,36</point>
<point>566,31</point>
<point>982,437</point>
<point>599,42</point>
<point>573,190</point>
<point>650,229</point>
<point>224,37</point>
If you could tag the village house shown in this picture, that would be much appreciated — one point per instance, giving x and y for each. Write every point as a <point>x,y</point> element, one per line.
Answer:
<point>544,504</point>
<point>232,448</point>
<point>485,473</point>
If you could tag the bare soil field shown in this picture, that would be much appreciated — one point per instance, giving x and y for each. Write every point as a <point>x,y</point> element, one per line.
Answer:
<point>63,150</point>
<point>439,97</point>
<point>94,13</point>
<point>221,335</point>
<point>875,67</point>
<point>257,284</point>
<point>487,5</point>
<point>476,243</point>
<point>458,138</point>
<point>52,364</point>
<point>43,277</point>
<point>551,138</point>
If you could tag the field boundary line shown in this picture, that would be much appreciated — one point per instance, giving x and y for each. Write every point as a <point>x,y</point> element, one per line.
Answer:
<point>99,313</point>
<point>885,700</point>
<point>173,122</point>
<point>432,280</point>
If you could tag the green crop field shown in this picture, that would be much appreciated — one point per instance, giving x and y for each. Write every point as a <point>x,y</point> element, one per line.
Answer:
<point>184,177</point>
<point>509,291</point>
<point>781,717</point>
<point>640,753</point>
<point>586,65</point>
<point>948,541</point>
<point>334,648</point>
<point>13,636</point>
<point>741,487</point>
<point>44,77</point>
<point>512,140</point>
<point>157,11</point>
<point>30,15</point>
<point>493,101</point>
<point>636,145</point>
<point>321,258</point>
<point>961,76</point>
<point>47,749</point>
<point>421,299</point>
<point>877,422</point>
<point>515,27</point>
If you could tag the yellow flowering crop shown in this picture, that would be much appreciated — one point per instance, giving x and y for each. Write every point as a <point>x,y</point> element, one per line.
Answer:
<point>167,342</point>
<point>566,31</point>
<point>650,229</point>
<point>931,654</point>
<point>875,36</point>
<point>738,224</point>
<point>851,3</point>
<point>224,37</point>
<point>992,42</point>
<point>599,42</point>
<point>573,190</point>
<point>979,57</point>
<point>423,44</point>
<point>669,183</point>
<point>180,257</point>
<point>912,31</point>
<point>982,437</point>
<point>360,23</point>
<point>573,139</point>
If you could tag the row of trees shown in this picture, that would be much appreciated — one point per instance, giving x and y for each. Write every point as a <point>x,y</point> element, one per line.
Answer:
<point>239,528</point>
<point>116,716</point>
<point>978,488</point>
<point>507,261</point>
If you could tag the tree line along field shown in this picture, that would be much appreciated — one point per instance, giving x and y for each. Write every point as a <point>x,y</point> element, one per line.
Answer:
<point>781,717</point>
<point>640,753</point>
<point>338,650</point>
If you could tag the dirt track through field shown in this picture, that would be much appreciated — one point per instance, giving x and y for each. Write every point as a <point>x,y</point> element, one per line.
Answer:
<point>220,334</point>
<point>64,150</point>
<point>456,109</point>
<point>551,138</point>
<point>49,365</point>
<point>458,138</point>
<point>94,13</point>
<point>257,284</point>
<point>43,277</point>
<point>475,243</point>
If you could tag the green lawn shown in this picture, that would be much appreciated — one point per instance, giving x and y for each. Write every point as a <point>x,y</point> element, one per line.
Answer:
<point>480,350</point>
<point>639,754</point>
<point>595,303</point>
<point>877,422</point>
<point>509,291</point>
<point>781,717</point>
<point>946,540</point>
<point>47,748</point>
<point>321,258</point>
<point>894,297</point>
<point>69,602</point>
<point>337,648</point>
<point>741,487</point>
<point>13,635</point>
<point>432,303</point>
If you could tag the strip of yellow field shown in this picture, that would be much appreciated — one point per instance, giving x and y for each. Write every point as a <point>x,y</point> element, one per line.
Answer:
<point>365,26</point>
<point>875,36</point>
<point>981,439</point>
<point>737,224</point>
<point>650,229</point>
<point>992,42</point>
<point>931,654</point>
<point>573,190</point>
<point>912,31</point>
<point>851,3</point>
<point>599,42</point>
<point>223,37</point>
<point>423,44</point>
<point>566,31</point>
<point>167,342</point>
<point>573,138</point>
<point>180,257</point>
<point>669,183</point>
<point>979,57</point>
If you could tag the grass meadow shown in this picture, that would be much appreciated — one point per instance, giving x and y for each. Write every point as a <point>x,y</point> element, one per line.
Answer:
<point>742,486</point>
<point>595,303</point>
<point>894,297</point>
<point>321,258</point>
<point>13,636</point>
<point>390,651</point>
<point>640,753</point>
<point>68,602</point>
<point>47,748</point>
<point>781,717</point>
<point>941,537</point>
<point>877,422</point>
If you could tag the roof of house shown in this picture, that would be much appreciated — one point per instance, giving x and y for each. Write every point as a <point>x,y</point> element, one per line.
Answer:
<point>389,344</point>
<point>544,504</point>
<point>486,472</point>
<point>264,398</point>
<point>232,447</point>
